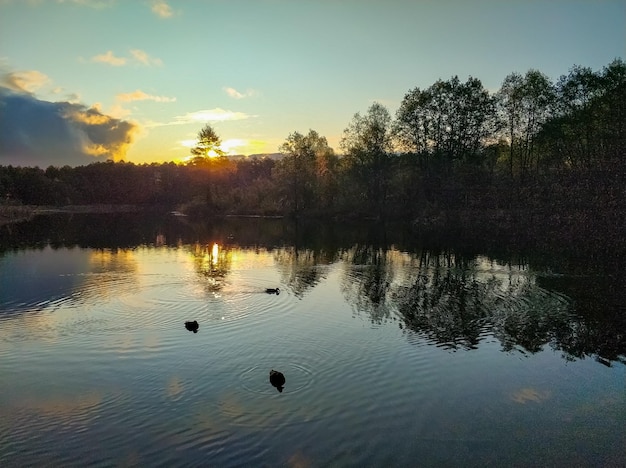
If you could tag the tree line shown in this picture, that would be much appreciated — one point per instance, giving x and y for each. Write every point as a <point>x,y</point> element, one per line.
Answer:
<point>451,147</point>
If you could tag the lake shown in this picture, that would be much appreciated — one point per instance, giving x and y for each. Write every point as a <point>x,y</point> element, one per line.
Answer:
<point>398,349</point>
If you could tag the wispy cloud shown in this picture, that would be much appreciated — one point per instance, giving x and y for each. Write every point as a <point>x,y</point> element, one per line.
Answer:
<point>210,115</point>
<point>137,56</point>
<point>110,59</point>
<point>142,57</point>
<point>27,81</point>
<point>232,92</point>
<point>161,9</point>
<point>90,3</point>
<point>139,95</point>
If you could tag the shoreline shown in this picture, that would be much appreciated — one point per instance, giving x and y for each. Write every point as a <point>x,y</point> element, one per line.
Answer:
<point>538,226</point>
<point>10,214</point>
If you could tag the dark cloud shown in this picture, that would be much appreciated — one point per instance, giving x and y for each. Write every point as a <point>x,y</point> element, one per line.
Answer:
<point>42,133</point>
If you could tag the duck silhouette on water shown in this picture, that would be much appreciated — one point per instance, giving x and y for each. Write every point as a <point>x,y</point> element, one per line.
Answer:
<point>272,291</point>
<point>192,326</point>
<point>277,379</point>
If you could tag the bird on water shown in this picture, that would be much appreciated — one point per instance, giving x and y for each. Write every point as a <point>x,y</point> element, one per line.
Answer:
<point>192,326</point>
<point>272,291</point>
<point>277,379</point>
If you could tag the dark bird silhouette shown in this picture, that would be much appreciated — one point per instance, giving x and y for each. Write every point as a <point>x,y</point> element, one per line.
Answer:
<point>272,291</point>
<point>277,379</point>
<point>192,326</point>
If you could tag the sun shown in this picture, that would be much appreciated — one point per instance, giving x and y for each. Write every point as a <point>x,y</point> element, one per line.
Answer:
<point>230,147</point>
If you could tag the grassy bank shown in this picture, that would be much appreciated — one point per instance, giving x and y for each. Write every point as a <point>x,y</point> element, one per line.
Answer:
<point>15,213</point>
<point>19,213</point>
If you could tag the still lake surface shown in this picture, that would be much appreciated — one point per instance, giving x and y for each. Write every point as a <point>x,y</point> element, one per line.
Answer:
<point>397,350</point>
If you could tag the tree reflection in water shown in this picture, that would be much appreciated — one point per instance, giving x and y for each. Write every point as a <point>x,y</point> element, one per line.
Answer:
<point>458,302</point>
<point>455,298</point>
<point>367,281</point>
<point>213,263</point>
<point>302,269</point>
<point>459,308</point>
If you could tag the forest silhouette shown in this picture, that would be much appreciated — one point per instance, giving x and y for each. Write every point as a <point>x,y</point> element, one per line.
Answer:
<point>536,155</point>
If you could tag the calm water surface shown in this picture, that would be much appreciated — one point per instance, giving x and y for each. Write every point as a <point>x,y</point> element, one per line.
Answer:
<point>396,351</point>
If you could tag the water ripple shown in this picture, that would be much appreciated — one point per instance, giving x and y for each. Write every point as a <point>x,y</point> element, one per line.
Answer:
<point>256,379</point>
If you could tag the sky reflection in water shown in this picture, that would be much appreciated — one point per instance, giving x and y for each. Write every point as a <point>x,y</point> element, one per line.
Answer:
<point>392,356</point>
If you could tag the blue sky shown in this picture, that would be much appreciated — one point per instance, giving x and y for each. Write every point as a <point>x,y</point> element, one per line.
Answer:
<point>139,78</point>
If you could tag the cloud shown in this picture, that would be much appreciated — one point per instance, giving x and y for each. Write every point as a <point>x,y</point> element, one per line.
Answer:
<point>43,133</point>
<point>25,81</point>
<point>139,95</point>
<point>229,145</point>
<point>110,59</point>
<point>138,56</point>
<point>90,3</point>
<point>144,58</point>
<point>161,9</point>
<point>210,115</point>
<point>232,92</point>
<point>118,111</point>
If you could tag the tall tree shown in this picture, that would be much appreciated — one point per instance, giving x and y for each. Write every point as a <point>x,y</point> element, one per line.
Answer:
<point>510,105</point>
<point>613,103</point>
<point>446,122</point>
<point>411,127</point>
<point>525,104</point>
<point>208,143</point>
<point>538,101</point>
<point>305,171</point>
<point>588,129</point>
<point>368,147</point>
<point>297,170</point>
<point>207,148</point>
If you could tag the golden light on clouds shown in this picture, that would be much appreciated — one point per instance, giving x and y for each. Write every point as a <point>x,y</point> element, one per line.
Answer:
<point>95,150</point>
<point>189,143</point>
<point>259,146</point>
<point>232,92</point>
<point>92,116</point>
<point>138,56</point>
<point>26,81</point>
<point>212,115</point>
<point>109,59</point>
<point>139,95</point>
<point>229,145</point>
<point>161,9</point>
<point>144,58</point>
<point>119,112</point>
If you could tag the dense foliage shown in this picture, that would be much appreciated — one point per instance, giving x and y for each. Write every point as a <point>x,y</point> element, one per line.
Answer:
<point>534,147</point>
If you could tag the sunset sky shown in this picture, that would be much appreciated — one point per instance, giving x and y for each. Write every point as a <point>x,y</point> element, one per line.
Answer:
<point>87,80</point>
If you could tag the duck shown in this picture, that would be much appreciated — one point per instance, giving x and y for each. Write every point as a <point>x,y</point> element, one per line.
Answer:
<point>277,379</point>
<point>272,291</point>
<point>192,326</point>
